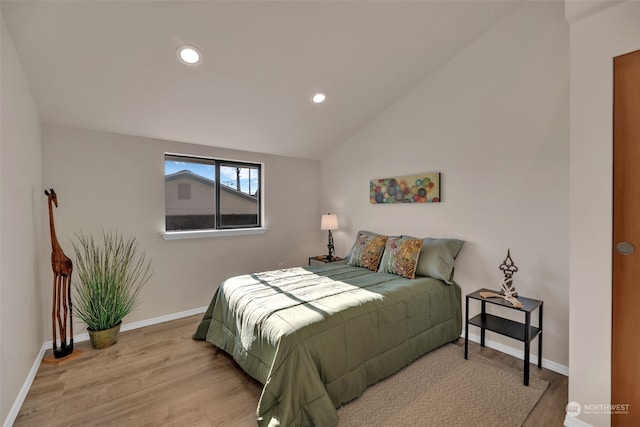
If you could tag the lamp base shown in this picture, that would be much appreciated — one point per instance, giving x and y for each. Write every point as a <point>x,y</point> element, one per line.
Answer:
<point>330,247</point>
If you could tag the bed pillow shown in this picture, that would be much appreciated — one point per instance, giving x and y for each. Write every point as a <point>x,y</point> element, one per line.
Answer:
<point>367,250</point>
<point>350,254</point>
<point>453,245</point>
<point>437,258</point>
<point>401,256</point>
<point>368,234</point>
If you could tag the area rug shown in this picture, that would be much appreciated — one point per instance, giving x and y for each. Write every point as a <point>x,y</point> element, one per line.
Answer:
<point>443,389</point>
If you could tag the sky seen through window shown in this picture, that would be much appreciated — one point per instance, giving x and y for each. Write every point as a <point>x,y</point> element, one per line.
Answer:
<point>228,174</point>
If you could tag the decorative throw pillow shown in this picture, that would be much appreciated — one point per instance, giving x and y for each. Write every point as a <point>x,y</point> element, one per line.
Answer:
<point>401,256</point>
<point>367,250</point>
<point>437,258</point>
<point>366,234</point>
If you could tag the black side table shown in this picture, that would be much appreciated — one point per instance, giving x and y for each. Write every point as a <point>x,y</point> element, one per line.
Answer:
<point>520,331</point>
<point>324,258</point>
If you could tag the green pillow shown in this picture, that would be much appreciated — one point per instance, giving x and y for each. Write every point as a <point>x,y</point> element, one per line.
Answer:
<point>437,257</point>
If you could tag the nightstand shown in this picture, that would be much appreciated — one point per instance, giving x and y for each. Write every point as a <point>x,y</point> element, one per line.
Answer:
<point>523,332</point>
<point>324,258</point>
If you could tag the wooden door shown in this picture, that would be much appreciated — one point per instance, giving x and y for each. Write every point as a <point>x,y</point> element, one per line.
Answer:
<point>625,351</point>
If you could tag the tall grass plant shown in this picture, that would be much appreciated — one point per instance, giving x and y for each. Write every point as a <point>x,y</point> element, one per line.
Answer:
<point>108,278</point>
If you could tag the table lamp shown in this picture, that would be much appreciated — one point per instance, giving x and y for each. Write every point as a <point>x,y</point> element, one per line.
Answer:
<point>329,222</point>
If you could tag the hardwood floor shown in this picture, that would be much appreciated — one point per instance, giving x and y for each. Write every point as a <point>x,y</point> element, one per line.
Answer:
<point>159,376</point>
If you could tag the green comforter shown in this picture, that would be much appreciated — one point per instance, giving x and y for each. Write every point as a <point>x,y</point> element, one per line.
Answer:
<point>316,337</point>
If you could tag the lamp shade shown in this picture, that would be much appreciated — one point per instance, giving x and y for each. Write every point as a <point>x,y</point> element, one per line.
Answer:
<point>329,222</point>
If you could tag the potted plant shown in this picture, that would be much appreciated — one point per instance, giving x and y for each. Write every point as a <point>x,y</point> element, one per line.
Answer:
<point>109,277</point>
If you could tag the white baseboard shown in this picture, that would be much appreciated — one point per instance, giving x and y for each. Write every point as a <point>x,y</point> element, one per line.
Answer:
<point>15,409</point>
<point>533,358</point>
<point>570,421</point>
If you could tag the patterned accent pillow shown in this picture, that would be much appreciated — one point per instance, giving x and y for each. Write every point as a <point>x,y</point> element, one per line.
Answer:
<point>401,256</point>
<point>355,254</point>
<point>367,250</point>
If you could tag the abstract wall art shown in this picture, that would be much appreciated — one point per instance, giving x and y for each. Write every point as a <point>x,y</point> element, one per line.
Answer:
<point>421,188</point>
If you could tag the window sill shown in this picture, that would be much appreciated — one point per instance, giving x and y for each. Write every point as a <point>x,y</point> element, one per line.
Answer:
<point>195,234</point>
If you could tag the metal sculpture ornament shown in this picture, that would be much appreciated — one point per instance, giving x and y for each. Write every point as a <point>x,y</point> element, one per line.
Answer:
<point>508,268</point>
<point>507,290</point>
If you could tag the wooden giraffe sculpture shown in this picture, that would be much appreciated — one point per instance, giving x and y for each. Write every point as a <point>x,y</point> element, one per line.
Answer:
<point>62,268</point>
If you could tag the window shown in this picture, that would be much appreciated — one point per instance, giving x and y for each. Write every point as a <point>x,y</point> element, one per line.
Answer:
<point>211,194</point>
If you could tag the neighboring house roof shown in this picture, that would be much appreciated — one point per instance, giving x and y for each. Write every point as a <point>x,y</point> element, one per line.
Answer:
<point>186,174</point>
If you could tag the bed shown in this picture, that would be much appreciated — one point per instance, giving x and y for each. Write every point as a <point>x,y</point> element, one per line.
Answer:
<point>316,337</point>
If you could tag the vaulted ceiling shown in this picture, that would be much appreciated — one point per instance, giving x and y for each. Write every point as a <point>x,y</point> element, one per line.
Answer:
<point>112,66</point>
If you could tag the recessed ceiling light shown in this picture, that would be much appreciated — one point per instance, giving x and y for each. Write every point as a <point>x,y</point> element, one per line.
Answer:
<point>189,55</point>
<point>319,98</point>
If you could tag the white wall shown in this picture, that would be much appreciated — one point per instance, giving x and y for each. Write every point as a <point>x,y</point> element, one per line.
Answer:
<point>595,40</point>
<point>494,121</point>
<point>21,204</point>
<point>106,181</point>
